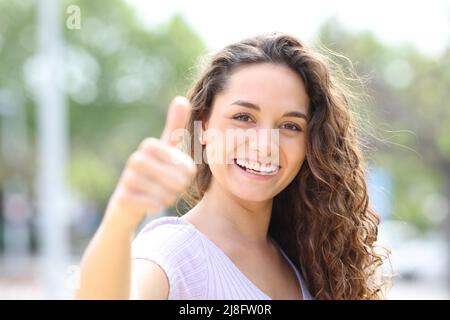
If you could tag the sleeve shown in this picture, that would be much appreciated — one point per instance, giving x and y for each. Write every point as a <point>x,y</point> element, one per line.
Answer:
<point>179,252</point>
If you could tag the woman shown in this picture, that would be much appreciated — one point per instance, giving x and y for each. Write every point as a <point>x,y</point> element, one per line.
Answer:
<point>280,214</point>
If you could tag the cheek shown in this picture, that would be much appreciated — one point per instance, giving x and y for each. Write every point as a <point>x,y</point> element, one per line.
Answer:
<point>225,144</point>
<point>219,147</point>
<point>295,153</point>
<point>214,141</point>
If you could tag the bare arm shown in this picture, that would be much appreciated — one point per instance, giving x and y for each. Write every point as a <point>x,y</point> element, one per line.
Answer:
<point>105,268</point>
<point>148,281</point>
<point>154,175</point>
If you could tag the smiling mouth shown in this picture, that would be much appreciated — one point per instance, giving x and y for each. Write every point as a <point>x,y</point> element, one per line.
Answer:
<point>262,171</point>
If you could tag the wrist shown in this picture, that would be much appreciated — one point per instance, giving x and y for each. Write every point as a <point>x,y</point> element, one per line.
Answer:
<point>119,224</point>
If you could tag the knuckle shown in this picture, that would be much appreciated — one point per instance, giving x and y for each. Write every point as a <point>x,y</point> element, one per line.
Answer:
<point>148,144</point>
<point>136,158</point>
<point>186,180</point>
<point>129,178</point>
<point>191,172</point>
<point>132,159</point>
<point>188,165</point>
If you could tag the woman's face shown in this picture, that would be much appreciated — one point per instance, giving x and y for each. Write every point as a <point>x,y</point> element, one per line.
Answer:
<point>256,134</point>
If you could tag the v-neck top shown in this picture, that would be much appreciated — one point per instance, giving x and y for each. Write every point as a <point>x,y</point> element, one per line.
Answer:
<point>197,269</point>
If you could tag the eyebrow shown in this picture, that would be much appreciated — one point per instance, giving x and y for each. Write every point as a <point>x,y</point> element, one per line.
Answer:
<point>250,105</point>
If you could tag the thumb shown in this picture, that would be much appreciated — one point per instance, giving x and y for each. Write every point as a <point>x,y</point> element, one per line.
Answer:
<point>177,117</point>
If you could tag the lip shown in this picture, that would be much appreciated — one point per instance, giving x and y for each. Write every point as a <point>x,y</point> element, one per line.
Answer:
<point>253,175</point>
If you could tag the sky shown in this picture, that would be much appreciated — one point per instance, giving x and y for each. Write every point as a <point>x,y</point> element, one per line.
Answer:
<point>425,23</point>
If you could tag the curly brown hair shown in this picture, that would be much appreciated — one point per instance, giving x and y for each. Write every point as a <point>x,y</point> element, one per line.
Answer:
<point>322,219</point>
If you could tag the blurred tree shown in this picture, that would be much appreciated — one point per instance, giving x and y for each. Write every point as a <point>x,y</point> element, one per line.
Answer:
<point>119,78</point>
<point>410,118</point>
<point>17,43</point>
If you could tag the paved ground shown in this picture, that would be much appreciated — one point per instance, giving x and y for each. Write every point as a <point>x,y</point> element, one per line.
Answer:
<point>21,281</point>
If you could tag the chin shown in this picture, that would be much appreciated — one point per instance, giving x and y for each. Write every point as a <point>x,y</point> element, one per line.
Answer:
<point>252,187</point>
<point>252,194</point>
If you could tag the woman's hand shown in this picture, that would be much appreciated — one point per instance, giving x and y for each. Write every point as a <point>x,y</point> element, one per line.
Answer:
<point>154,175</point>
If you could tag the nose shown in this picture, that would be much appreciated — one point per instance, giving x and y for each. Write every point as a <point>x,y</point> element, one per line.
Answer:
<point>266,145</point>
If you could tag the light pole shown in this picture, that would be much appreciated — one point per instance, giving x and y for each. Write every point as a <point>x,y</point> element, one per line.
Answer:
<point>52,148</point>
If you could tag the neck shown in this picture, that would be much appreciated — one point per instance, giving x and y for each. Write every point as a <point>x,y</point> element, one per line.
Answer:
<point>242,220</point>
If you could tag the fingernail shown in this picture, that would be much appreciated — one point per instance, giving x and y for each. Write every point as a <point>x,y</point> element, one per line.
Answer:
<point>180,100</point>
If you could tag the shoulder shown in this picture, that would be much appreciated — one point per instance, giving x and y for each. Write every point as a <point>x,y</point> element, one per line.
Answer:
<point>177,248</point>
<point>166,234</point>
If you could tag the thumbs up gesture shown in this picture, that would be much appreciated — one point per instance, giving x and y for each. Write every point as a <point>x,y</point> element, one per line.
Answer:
<point>155,174</point>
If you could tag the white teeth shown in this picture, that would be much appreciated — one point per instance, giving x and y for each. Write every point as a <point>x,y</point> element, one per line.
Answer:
<point>241,162</point>
<point>267,168</point>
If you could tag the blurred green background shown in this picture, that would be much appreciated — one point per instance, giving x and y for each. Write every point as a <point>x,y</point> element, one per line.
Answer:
<point>119,77</point>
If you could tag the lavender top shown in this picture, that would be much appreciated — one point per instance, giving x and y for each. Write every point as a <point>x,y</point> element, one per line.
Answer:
<point>196,267</point>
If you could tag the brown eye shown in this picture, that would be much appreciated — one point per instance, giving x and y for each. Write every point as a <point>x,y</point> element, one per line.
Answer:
<point>292,127</point>
<point>242,117</point>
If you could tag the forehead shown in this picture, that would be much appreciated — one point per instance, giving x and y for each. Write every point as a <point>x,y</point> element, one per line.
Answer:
<point>267,84</point>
